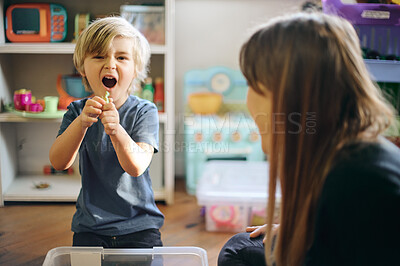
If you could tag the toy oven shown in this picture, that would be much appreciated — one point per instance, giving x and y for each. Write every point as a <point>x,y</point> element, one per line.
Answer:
<point>36,22</point>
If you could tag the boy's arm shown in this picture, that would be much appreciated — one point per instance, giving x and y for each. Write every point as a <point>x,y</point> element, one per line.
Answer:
<point>134,157</point>
<point>65,148</point>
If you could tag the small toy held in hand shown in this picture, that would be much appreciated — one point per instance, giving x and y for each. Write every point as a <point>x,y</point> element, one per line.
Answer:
<point>106,97</point>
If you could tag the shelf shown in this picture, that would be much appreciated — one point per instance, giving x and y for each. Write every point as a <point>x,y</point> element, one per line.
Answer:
<point>57,57</point>
<point>54,48</point>
<point>63,188</point>
<point>10,117</point>
<point>384,70</point>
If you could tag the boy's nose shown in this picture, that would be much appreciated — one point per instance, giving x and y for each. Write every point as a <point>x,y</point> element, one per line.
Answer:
<point>110,64</point>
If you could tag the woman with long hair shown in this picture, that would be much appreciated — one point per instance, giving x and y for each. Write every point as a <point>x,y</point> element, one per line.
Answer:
<point>321,120</point>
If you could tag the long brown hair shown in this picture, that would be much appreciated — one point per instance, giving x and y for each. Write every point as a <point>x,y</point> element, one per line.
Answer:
<point>313,67</point>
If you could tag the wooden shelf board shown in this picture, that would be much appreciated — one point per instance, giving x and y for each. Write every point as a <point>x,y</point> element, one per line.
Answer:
<point>54,48</point>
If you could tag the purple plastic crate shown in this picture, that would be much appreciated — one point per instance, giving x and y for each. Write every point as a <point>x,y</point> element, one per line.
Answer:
<point>377,25</point>
<point>364,14</point>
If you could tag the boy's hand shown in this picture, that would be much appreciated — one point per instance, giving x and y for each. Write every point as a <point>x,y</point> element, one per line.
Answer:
<point>91,111</point>
<point>110,118</point>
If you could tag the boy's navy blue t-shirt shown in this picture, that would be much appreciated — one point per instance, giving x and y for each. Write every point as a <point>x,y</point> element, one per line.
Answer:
<point>111,202</point>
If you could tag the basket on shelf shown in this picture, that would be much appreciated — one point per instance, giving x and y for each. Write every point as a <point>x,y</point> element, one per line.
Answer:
<point>378,28</point>
<point>378,25</point>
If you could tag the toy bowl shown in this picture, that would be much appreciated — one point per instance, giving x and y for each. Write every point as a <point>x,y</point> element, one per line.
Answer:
<point>74,86</point>
<point>70,88</point>
<point>205,103</point>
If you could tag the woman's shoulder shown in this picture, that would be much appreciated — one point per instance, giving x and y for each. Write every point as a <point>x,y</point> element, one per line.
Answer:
<point>366,164</point>
<point>359,205</point>
<point>378,154</point>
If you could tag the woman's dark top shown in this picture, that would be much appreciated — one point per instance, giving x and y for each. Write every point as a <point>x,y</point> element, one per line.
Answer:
<point>358,215</point>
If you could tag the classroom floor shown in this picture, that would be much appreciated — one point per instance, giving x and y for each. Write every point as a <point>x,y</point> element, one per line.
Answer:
<point>29,230</point>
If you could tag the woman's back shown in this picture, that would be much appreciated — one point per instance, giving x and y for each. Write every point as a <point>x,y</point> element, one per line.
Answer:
<point>358,215</point>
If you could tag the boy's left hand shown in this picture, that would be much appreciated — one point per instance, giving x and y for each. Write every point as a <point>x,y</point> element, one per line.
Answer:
<point>110,118</point>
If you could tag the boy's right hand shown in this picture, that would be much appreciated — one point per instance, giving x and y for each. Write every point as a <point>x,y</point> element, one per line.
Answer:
<point>91,111</point>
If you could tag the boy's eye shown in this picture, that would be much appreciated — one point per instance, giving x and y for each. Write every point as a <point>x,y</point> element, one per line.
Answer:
<point>98,57</point>
<point>121,58</point>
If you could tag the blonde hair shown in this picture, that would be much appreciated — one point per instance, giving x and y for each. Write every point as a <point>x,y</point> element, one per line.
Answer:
<point>313,67</point>
<point>97,38</point>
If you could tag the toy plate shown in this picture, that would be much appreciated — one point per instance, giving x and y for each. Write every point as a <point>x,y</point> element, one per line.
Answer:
<point>58,114</point>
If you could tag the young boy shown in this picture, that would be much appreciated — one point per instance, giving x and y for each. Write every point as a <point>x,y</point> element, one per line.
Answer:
<point>115,135</point>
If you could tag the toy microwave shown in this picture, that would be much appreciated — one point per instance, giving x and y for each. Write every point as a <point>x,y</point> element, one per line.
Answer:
<point>36,22</point>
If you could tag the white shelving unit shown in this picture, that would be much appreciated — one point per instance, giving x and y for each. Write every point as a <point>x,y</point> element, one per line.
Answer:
<point>24,142</point>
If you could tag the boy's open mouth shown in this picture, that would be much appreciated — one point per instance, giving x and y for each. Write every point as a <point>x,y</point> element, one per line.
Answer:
<point>109,82</point>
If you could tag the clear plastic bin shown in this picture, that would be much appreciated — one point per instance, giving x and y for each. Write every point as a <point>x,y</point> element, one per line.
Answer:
<point>96,256</point>
<point>234,194</point>
<point>149,20</point>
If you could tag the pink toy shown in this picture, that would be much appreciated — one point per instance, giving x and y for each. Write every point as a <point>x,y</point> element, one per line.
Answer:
<point>22,98</point>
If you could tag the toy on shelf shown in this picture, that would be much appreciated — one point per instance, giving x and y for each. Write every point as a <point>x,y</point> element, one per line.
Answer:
<point>24,101</point>
<point>49,170</point>
<point>70,88</point>
<point>81,22</point>
<point>148,89</point>
<point>159,94</point>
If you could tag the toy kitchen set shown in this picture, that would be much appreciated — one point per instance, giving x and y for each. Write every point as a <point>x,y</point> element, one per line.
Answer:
<point>217,125</point>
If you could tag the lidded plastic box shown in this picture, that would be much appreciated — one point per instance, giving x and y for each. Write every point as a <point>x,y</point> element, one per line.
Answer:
<point>97,256</point>
<point>234,194</point>
<point>149,20</point>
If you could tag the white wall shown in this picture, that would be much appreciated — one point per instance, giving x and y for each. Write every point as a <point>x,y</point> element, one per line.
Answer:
<point>210,33</point>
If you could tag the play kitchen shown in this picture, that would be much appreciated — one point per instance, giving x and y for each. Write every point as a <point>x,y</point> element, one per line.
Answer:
<point>217,125</point>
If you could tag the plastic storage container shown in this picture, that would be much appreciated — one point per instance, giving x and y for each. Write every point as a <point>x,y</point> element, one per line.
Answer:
<point>234,194</point>
<point>149,20</point>
<point>96,256</point>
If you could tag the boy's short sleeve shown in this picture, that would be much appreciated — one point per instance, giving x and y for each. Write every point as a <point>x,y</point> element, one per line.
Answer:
<point>140,120</point>
<point>74,110</point>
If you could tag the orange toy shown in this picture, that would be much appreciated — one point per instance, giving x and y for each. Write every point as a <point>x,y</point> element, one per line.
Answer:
<point>65,99</point>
